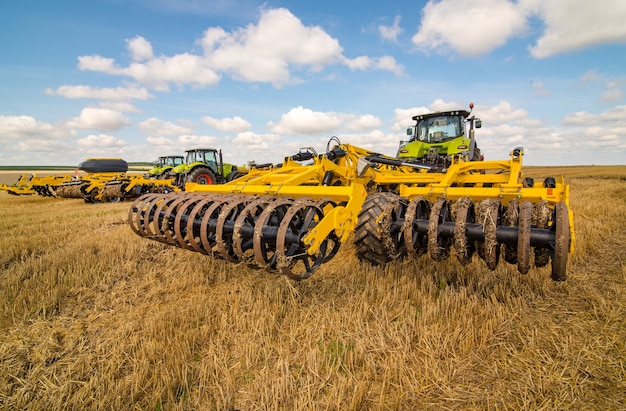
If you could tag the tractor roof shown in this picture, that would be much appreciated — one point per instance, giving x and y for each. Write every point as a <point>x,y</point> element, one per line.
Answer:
<point>462,113</point>
<point>201,149</point>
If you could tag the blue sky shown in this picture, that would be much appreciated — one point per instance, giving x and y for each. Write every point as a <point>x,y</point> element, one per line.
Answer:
<point>261,79</point>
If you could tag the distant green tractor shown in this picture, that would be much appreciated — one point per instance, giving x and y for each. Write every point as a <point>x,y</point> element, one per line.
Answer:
<point>438,137</point>
<point>204,166</point>
<point>164,166</point>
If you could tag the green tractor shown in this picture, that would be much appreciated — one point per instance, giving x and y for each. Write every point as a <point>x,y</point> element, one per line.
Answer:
<point>204,166</point>
<point>163,168</point>
<point>438,137</point>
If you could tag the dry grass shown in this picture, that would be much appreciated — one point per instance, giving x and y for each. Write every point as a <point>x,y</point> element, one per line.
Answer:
<point>94,317</point>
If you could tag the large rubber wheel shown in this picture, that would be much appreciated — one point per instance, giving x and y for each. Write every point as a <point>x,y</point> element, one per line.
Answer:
<point>378,240</point>
<point>233,176</point>
<point>201,175</point>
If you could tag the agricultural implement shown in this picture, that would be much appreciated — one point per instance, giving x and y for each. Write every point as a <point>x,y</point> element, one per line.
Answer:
<point>106,180</point>
<point>29,184</point>
<point>293,218</point>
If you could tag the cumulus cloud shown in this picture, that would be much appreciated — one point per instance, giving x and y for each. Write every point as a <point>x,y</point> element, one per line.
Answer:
<point>157,127</point>
<point>501,113</point>
<point>38,145</point>
<point>158,72</point>
<point>100,141</point>
<point>253,141</point>
<point>363,63</point>
<point>160,141</point>
<point>615,115</point>
<point>118,93</point>
<point>304,121</point>
<point>140,49</point>
<point>612,93</point>
<point>233,124</point>
<point>264,52</point>
<point>576,24</point>
<point>195,141</point>
<point>468,27</point>
<point>364,122</point>
<point>473,28</point>
<point>269,52</point>
<point>100,119</point>
<point>391,33</point>
<point>29,128</point>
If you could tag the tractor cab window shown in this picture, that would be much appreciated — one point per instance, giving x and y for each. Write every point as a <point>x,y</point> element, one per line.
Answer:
<point>440,129</point>
<point>210,157</point>
<point>174,161</point>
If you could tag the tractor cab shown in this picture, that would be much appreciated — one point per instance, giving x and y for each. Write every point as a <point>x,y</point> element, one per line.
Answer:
<point>171,161</point>
<point>438,137</point>
<point>163,167</point>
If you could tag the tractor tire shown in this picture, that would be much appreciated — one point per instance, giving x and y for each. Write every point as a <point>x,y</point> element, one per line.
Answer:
<point>233,176</point>
<point>201,175</point>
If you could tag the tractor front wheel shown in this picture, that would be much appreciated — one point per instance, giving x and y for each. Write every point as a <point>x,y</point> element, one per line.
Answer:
<point>201,175</point>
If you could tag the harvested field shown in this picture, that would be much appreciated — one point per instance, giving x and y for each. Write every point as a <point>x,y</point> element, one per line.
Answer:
<point>94,317</point>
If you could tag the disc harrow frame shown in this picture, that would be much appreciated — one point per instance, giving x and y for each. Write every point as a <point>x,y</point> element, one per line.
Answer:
<point>293,218</point>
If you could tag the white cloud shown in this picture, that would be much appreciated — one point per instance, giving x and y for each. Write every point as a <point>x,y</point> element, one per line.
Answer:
<point>160,141</point>
<point>304,121</point>
<point>253,141</point>
<point>157,73</point>
<point>28,128</point>
<point>502,113</point>
<point>140,49</point>
<point>612,93</point>
<point>233,124</point>
<point>156,127</point>
<point>364,122</point>
<point>100,119</point>
<point>576,24</point>
<point>539,88</point>
<point>363,63</point>
<point>375,140</point>
<point>118,93</point>
<point>195,141</point>
<point>612,116</point>
<point>101,141</point>
<point>391,33</point>
<point>40,146</point>
<point>403,117</point>
<point>264,52</point>
<point>119,106</point>
<point>468,27</point>
<point>267,52</point>
<point>591,75</point>
<point>476,27</point>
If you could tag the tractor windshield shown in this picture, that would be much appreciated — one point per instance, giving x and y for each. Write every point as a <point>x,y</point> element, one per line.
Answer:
<point>201,157</point>
<point>174,161</point>
<point>439,129</point>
